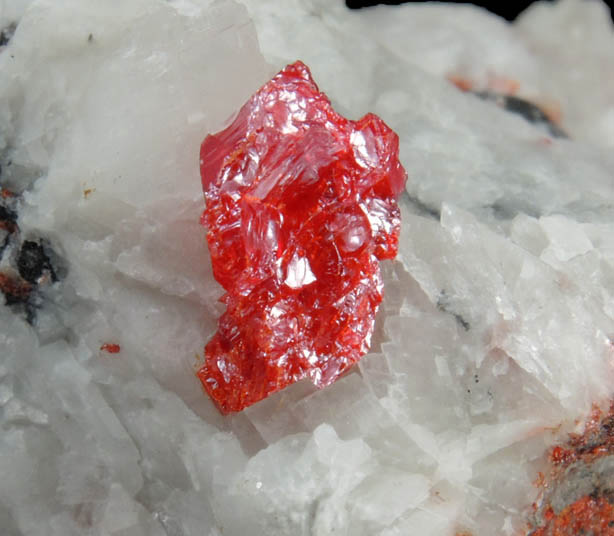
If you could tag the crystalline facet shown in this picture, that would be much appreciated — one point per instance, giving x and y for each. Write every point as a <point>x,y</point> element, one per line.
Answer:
<point>301,207</point>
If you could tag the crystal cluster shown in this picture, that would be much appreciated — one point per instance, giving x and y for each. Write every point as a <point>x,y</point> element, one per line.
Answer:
<point>301,207</point>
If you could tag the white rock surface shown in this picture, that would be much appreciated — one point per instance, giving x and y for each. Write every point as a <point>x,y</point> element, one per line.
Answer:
<point>495,336</point>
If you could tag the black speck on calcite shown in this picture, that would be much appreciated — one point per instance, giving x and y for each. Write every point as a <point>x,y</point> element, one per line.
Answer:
<point>8,226</point>
<point>7,33</point>
<point>529,111</point>
<point>7,216</point>
<point>443,304</point>
<point>36,266</point>
<point>28,263</point>
<point>33,262</point>
<point>420,207</point>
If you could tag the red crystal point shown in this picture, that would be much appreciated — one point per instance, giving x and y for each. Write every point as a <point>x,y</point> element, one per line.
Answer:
<point>300,207</point>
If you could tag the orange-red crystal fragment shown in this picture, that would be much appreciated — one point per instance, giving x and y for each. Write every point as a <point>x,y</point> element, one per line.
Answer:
<point>110,348</point>
<point>300,208</point>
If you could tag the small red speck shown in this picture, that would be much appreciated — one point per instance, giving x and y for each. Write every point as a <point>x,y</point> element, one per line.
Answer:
<point>5,194</point>
<point>549,513</point>
<point>461,83</point>
<point>14,286</point>
<point>559,455</point>
<point>111,348</point>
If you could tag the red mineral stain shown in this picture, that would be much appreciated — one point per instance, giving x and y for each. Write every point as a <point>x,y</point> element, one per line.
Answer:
<point>464,84</point>
<point>110,348</point>
<point>587,515</point>
<point>5,194</point>
<point>559,455</point>
<point>8,225</point>
<point>592,513</point>
<point>14,288</point>
<point>301,205</point>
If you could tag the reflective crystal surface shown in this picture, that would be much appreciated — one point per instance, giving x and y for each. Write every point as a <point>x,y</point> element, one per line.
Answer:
<point>300,208</point>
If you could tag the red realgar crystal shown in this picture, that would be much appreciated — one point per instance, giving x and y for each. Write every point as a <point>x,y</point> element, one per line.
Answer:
<point>300,207</point>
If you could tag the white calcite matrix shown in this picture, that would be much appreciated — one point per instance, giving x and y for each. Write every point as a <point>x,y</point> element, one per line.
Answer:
<point>495,336</point>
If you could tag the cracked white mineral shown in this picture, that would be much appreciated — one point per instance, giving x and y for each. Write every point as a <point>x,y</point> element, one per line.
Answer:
<point>492,344</point>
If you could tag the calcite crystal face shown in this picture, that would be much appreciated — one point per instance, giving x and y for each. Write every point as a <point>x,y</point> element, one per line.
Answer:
<point>301,207</point>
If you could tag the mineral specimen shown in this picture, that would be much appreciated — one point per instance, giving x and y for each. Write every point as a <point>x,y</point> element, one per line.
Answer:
<point>495,336</point>
<point>301,207</point>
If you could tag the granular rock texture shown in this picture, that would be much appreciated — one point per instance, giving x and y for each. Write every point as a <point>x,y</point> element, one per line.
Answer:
<point>577,493</point>
<point>301,207</point>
